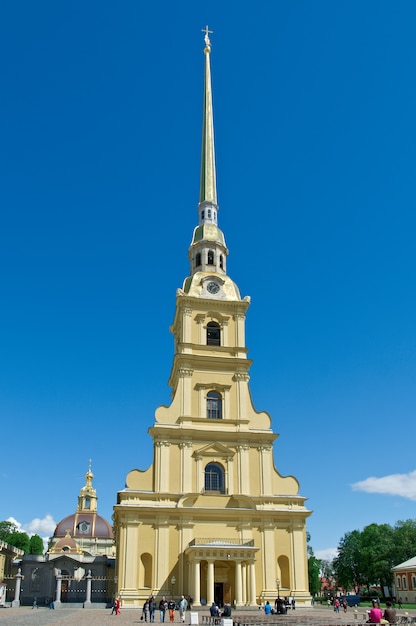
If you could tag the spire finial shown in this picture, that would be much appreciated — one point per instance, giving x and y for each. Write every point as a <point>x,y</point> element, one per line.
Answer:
<point>208,185</point>
<point>206,38</point>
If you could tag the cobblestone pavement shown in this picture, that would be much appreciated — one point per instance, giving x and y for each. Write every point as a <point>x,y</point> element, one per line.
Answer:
<point>26,616</point>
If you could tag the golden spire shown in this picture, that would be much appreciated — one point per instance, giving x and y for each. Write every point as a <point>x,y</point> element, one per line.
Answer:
<point>208,185</point>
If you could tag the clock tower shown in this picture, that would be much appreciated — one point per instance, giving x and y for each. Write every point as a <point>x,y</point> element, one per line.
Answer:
<point>211,517</point>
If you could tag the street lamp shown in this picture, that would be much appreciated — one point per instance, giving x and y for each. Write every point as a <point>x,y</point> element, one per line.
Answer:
<point>172,582</point>
<point>278,587</point>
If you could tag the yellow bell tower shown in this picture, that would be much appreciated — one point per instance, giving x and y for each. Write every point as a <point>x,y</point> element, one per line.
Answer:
<point>211,518</point>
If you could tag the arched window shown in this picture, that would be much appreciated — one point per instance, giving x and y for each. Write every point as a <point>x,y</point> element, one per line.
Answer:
<point>398,582</point>
<point>404,582</point>
<point>213,334</point>
<point>198,259</point>
<point>214,478</point>
<point>214,405</point>
<point>221,262</point>
<point>145,570</point>
<point>210,257</point>
<point>283,566</point>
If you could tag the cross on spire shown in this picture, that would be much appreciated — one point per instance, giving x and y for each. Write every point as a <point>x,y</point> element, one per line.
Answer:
<point>207,33</point>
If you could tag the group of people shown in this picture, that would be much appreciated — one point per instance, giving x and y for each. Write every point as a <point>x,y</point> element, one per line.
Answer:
<point>165,606</point>
<point>376,615</point>
<point>338,604</point>
<point>214,610</point>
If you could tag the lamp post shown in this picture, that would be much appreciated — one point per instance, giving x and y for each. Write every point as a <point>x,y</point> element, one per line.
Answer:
<point>278,587</point>
<point>172,582</point>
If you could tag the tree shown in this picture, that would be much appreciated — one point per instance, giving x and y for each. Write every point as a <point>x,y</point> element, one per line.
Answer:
<point>376,554</point>
<point>404,544</point>
<point>35,545</point>
<point>6,529</point>
<point>11,535</point>
<point>347,565</point>
<point>19,540</point>
<point>314,566</point>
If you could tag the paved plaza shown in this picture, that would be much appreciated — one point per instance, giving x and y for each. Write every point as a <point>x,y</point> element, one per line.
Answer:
<point>318,616</point>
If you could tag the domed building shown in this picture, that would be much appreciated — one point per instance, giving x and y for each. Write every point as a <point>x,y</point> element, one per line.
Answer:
<point>79,565</point>
<point>91,532</point>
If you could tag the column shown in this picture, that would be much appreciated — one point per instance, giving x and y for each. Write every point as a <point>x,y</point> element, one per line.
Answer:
<point>252,573</point>
<point>185,376</point>
<point>197,583</point>
<point>266,463</point>
<point>186,469</point>
<point>16,601</point>
<point>244,469</point>
<point>269,556</point>
<point>210,583</point>
<point>87,602</point>
<point>244,582</point>
<point>199,475</point>
<point>240,335</point>
<point>225,339</point>
<point>238,597</point>
<point>186,325</point>
<point>58,590</point>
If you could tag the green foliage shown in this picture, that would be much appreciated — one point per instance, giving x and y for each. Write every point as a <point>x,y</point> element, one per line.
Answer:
<point>314,567</point>
<point>6,529</point>
<point>366,557</point>
<point>35,545</point>
<point>10,534</point>
<point>19,540</point>
<point>347,565</point>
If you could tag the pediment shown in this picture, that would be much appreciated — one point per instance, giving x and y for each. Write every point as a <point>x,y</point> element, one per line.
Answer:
<point>213,450</point>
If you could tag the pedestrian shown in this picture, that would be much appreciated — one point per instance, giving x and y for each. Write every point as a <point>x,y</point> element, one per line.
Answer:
<point>336,606</point>
<point>376,614</point>
<point>267,608</point>
<point>171,609</point>
<point>152,608</point>
<point>163,605</point>
<point>35,603</point>
<point>113,608</point>
<point>146,610</point>
<point>183,605</point>
<point>390,613</point>
<point>293,604</point>
<point>117,605</point>
<point>227,610</point>
<point>345,604</point>
<point>400,603</point>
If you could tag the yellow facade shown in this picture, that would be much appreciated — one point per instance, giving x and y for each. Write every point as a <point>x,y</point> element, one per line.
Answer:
<point>211,518</point>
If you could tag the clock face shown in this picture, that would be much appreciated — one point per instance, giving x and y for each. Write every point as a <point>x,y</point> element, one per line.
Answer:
<point>213,288</point>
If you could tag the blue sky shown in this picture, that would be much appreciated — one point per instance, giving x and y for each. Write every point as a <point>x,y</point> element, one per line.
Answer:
<point>314,107</point>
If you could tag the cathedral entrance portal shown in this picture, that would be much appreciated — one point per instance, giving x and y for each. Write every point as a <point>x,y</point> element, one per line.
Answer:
<point>219,594</point>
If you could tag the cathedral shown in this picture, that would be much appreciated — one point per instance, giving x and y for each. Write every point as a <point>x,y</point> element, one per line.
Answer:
<point>211,518</point>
